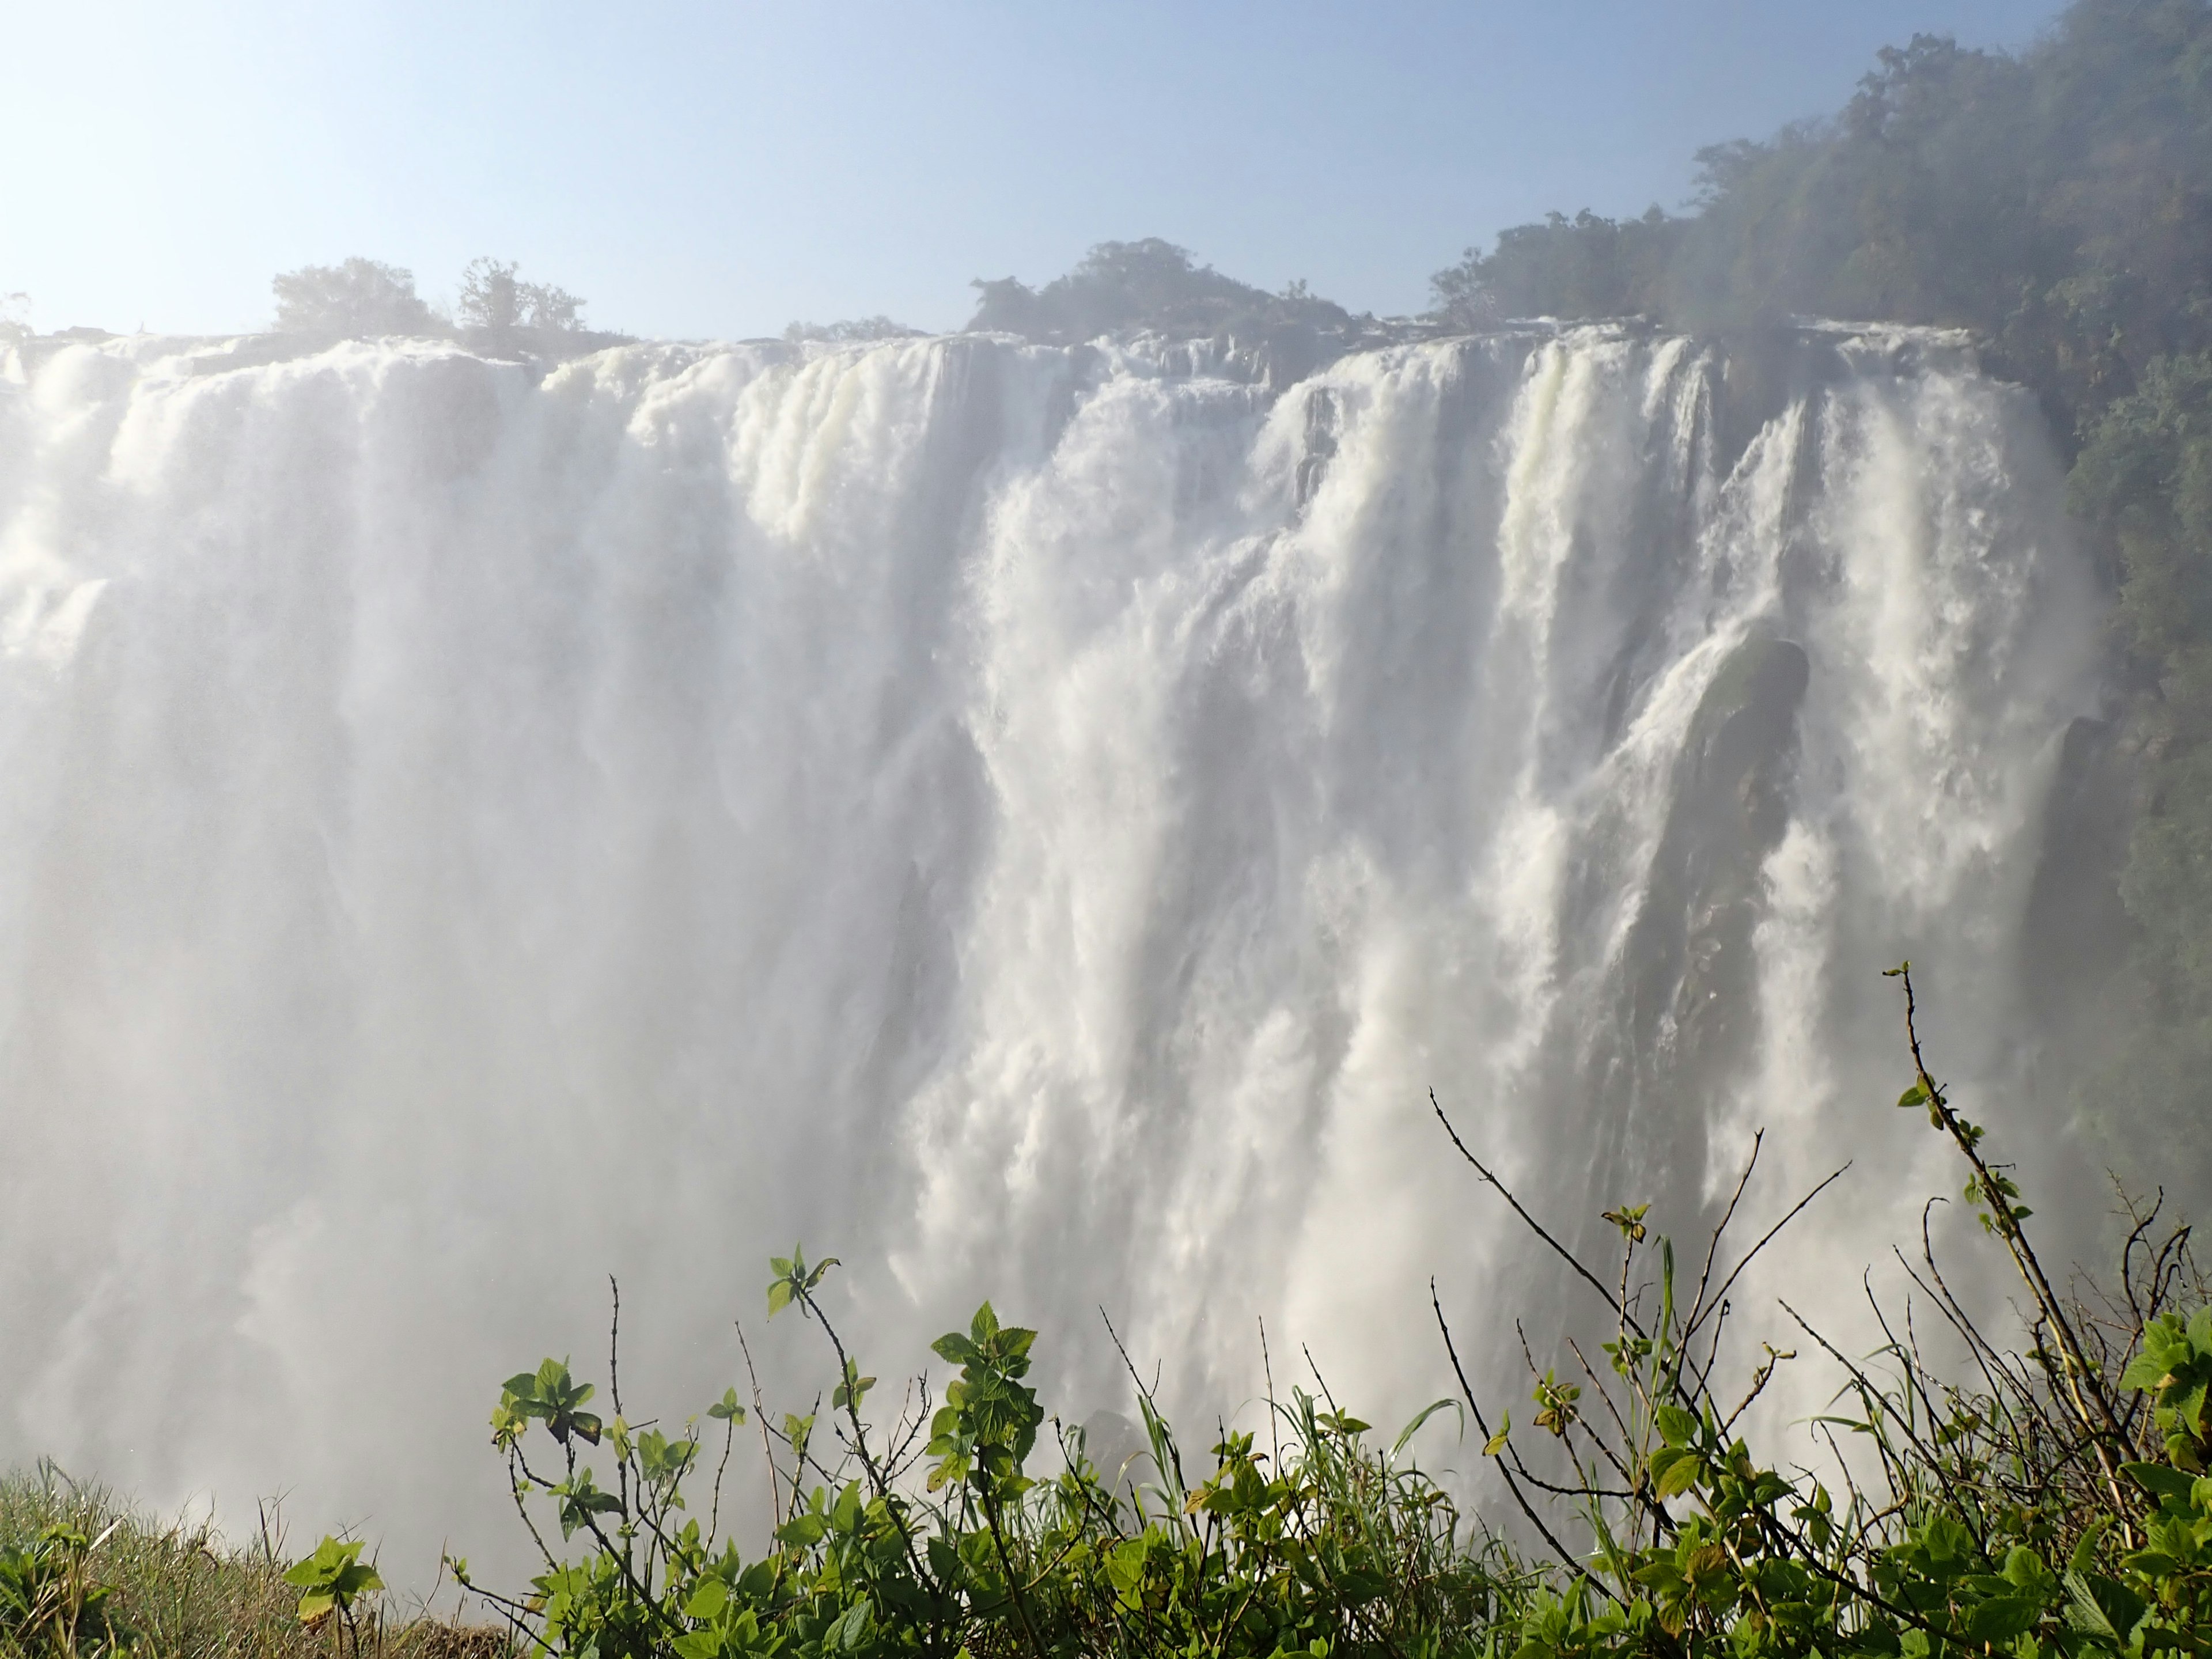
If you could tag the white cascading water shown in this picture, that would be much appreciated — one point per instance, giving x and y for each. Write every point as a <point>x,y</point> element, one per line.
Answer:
<point>1034,823</point>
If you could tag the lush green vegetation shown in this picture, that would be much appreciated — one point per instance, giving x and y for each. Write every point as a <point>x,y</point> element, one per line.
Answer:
<point>2045,1492</point>
<point>2059,1503</point>
<point>2059,203</point>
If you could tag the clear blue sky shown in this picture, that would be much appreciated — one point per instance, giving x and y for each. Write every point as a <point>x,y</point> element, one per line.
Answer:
<point>721,167</point>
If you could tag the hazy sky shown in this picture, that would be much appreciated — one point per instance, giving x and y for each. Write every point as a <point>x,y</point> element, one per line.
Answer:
<point>722,167</point>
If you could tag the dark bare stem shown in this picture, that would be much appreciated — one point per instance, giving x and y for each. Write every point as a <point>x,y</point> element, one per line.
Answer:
<point>1713,1243</point>
<point>760,1417</point>
<point>1768,1236</point>
<point>2083,1388</point>
<point>1013,1579</point>
<point>1482,1426</point>
<point>1530,1221</point>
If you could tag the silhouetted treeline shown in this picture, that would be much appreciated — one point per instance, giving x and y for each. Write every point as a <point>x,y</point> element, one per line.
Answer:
<point>851,331</point>
<point>1145,284</point>
<point>365,299</point>
<point>2059,202</point>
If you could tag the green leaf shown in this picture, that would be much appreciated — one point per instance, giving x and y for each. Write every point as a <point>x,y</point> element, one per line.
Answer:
<point>2002,1618</point>
<point>1425,1413</point>
<point>1676,1426</point>
<point>853,1390</point>
<point>1916,1096</point>
<point>2144,1373</point>
<point>2188,1404</point>
<point>802,1531</point>
<point>779,1296</point>
<point>851,1632</point>
<point>2085,1550</point>
<point>1674,1471</point>
<point>708,1599</point>
<point>2160,1480</point>
<point>2102,1605</point>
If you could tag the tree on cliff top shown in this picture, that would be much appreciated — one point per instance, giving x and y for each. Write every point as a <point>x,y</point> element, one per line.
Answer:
<point>1149,283</point>
<point>359,297</point>
<point>493,296</point>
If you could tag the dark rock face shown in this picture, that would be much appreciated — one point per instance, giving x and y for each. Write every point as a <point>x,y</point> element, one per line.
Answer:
<point>1687,1011</point>
<point>1731,805</point>
<point>2076,937</point>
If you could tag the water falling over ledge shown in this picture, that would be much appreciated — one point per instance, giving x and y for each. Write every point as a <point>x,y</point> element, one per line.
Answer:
<point>1034,821</point>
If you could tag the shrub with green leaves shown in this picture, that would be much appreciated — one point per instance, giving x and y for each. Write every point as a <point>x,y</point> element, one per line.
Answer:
<point>2059,1507</point>
<point>330,1582</point>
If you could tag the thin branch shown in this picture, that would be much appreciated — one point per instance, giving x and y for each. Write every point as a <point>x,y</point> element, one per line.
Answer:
<point>1534,1225</point>
<point>1512,1485</point>
<point>1713,1243</point>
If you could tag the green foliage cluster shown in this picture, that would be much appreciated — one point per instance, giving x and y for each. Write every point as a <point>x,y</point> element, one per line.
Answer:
<point>51,1599</point>
<point>331,1583</point>
<point>355,297</point>
<point>937,1534</point>
<point>2143,486</point>
<point>2055,1502</point>
<point>494,297</point>
<point>2048,1494</point>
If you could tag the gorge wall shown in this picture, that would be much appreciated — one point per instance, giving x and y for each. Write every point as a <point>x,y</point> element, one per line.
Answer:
<point>1035,822</point>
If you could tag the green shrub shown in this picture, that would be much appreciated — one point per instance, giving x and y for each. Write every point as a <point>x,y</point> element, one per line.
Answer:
<point>2060,1507</point>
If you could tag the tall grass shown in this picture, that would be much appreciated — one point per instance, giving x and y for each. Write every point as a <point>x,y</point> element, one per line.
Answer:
<point>170,1589</point>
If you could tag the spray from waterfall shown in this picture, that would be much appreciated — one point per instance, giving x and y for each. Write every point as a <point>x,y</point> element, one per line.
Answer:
<point>1037,821</point>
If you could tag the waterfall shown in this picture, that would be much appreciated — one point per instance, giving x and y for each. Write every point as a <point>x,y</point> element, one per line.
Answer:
<point>1036,822</point>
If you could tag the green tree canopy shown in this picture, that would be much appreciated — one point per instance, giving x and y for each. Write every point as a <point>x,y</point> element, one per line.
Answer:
<point>359,297</point>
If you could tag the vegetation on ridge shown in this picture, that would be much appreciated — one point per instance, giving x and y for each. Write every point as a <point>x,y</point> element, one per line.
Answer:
<point>1146,285</point>
<point>365,299</point>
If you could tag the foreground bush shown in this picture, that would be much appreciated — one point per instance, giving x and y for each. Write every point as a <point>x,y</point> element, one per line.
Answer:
<point>2042,1494</point>
<point>2056,1501</point>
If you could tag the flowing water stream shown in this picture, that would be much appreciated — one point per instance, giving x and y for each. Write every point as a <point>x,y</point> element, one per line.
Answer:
<point>1036,822</point>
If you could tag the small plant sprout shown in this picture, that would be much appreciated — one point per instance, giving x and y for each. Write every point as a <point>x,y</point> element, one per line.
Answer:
<point>331,1582</point>
<point>795,1280</point>
<point>548,1395</point>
